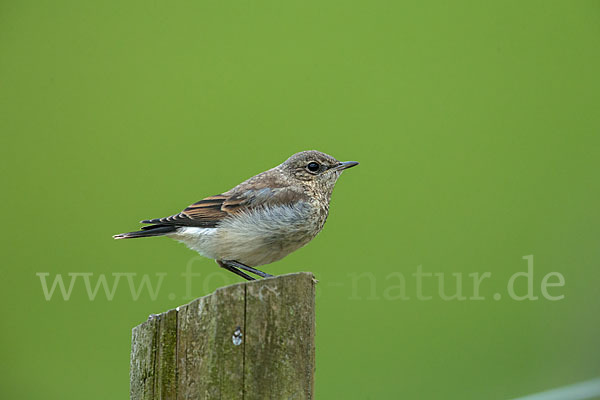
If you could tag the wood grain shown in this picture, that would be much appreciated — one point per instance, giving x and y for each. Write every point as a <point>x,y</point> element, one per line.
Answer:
<point>190,352</point>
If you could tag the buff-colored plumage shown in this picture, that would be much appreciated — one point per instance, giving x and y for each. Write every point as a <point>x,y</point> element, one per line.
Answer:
<point>262,219</point>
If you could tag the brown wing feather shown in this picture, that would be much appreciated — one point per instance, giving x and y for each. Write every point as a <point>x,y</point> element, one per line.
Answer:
<point>208,212</point>
<point>207,209</point>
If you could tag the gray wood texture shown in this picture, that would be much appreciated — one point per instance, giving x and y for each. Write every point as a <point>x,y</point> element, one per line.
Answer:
<point>252,340</point>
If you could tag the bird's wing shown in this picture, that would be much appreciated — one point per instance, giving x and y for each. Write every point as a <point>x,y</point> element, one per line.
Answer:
<point>205,213</point>
<point>208,212</point>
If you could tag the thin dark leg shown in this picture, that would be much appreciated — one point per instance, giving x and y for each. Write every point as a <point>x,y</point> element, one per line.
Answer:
<point>231,268</point>
<point>247,268</point>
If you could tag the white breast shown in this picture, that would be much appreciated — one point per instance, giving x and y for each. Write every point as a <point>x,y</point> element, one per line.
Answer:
<point>265,235</point>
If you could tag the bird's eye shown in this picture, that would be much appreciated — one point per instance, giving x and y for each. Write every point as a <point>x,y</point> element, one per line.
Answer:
<point>313,166</point>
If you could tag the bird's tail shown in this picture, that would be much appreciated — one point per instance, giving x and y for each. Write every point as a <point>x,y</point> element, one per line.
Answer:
<point>147,231</point>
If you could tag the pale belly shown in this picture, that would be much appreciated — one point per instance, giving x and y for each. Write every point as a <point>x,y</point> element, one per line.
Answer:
<point>256,238</point>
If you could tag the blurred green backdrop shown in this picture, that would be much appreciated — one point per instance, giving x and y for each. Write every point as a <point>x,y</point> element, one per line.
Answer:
<point>476,125</point>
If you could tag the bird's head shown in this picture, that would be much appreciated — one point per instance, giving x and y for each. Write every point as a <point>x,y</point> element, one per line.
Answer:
<point>315,169</point>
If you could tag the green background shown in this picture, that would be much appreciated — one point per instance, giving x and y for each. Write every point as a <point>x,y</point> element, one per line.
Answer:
<point>476,124</point>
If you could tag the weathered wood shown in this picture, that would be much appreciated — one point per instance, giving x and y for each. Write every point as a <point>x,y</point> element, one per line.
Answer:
<point>210,366</point>
<point>143,356</point>
<point>280,327</point>
<point>253,340</point>
<point>165,387</point>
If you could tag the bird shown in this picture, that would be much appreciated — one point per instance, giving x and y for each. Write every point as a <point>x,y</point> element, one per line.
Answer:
<point>259,221</point>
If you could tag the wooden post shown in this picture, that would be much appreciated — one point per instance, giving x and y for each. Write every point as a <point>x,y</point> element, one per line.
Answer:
<point>252,340</point>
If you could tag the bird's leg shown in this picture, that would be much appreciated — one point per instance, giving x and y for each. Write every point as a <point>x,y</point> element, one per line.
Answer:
<point>255,271</point>
<point>231,268</point>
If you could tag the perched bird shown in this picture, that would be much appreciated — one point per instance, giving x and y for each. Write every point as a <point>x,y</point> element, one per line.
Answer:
<point>261,220</point>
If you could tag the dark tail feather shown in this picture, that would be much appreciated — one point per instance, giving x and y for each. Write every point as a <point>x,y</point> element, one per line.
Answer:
<point>147,231</point>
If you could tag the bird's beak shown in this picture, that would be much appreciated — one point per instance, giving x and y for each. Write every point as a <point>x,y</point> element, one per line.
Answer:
<point>345,165</point>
